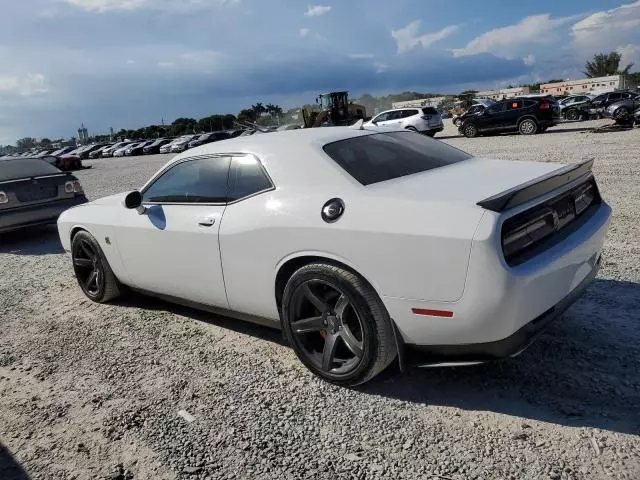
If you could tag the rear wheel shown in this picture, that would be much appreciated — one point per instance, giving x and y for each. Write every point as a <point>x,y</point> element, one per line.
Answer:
<point>92,270</point>
<point>470,130</point>
<point>337,324</point>
<point>528,126</point>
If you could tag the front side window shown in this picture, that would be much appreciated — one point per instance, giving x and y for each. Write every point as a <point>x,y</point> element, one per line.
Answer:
<point>247,177</point>
<point>203,180</point>
<point>385,156</point>
<point>496,108</point>
<point>383,117</point>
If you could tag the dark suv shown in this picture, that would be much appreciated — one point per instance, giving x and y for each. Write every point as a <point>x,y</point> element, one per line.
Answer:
<point>527,115</point>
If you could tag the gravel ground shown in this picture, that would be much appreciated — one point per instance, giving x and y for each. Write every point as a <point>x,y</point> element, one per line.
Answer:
<point>94,391</point>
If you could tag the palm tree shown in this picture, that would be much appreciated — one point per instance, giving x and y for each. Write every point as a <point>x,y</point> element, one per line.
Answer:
<point>258,109</point>
<point>605,64</point>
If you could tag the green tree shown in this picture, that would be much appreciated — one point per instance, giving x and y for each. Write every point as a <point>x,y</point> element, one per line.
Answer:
<point>604,64</point>
<point>26,143</point>
<point>44,142</point>
<point>183,126</point>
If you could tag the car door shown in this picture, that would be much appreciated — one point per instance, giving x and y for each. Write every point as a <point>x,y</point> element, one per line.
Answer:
<point>514,109</point>
<point>491,119</point>
<point>173,247</point>
<point>381,119</point>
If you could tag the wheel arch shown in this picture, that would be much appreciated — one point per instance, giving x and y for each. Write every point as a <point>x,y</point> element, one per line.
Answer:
<point>290,264</point>
<point>528,117</point>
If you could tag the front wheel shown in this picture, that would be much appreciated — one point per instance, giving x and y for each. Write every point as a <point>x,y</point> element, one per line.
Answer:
<point>528,127</point>
<point>572,114</point>
<point>337,324</point>
<point>457,122</point>
<point>470,130</point>
<point>92,270</point>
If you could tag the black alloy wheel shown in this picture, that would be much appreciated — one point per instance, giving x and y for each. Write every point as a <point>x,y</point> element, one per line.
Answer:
<point>92,270</point>
<point>470,130</point>
<point>327,327</point>
<point>337,324</point>
<point>572,114</point>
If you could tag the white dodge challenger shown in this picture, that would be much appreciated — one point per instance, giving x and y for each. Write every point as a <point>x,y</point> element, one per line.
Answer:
<point>361,245</point>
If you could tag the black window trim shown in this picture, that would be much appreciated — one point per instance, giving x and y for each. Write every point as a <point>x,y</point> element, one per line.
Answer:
<point>231,155</point>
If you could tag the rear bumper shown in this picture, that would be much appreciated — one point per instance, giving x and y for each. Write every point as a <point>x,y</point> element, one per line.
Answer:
<point>511,346</point>
<point>32,215</point>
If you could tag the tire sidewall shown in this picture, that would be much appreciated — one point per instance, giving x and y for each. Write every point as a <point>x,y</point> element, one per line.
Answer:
<point>470,130</point>
<point>370,330</point>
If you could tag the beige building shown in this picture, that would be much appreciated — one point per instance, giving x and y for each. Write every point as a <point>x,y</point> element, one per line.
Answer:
<point>585,85</point>
<point>504,93</point>
<point>423,102</point>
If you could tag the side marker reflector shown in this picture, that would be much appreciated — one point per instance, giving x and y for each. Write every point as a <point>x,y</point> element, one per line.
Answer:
<point>432,313</point>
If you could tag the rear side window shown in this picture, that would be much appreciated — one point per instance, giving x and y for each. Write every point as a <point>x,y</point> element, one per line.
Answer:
<point>194,181</point>
<point>385,156</point>
<point>429,111</point>
<point>247,177</point>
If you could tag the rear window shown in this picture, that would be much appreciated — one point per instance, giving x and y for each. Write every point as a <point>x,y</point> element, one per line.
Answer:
<point>429,111</point>
<point>14,169</point>
<point>385,156</point>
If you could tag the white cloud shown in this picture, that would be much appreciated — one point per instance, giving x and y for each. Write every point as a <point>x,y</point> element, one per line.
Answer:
<point>506,41</point>
<point>529,60</point>
<point>26,86</point>
<point>304,32</point>
<point>317,10</point>
<point>608,30</point>
<point>166,64</point>
<point>102,6</point>
<point>408,37</point>
<point>361,56</point>
<point>380,67</point>
<point>630,54</point>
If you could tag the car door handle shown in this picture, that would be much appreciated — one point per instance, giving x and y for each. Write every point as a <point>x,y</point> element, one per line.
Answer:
<point>207,221</point>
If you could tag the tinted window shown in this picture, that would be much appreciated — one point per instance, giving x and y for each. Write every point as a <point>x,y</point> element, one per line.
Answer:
<point>247,177</point>
<point>496,108</point>
<point>193,181</point>
<point>410,113</point>
<point>615,96</point>
<point>394,115</point>
<point>383,117</point>
<point>384,156</point>
<point>429,111</point>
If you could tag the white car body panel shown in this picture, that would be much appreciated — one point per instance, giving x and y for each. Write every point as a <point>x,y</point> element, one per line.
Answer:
<point>421,240</point>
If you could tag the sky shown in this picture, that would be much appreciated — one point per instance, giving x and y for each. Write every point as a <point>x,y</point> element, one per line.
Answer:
<point>131,63</point>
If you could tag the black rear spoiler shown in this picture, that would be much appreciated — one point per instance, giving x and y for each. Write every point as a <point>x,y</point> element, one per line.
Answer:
<point>536,187</point>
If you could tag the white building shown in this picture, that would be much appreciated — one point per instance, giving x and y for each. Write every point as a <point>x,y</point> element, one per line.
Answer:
<point>422,102</point>
<point>586,85</point>
<point>504,93</point>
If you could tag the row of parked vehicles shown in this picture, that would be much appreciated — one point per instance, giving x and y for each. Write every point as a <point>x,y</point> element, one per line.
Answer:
<point>536,113</point>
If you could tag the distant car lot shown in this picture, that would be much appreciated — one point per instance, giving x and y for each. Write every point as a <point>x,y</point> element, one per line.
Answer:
<point>112,378</point>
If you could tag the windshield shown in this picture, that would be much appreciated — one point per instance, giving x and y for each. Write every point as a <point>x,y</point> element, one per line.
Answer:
<point>385,156</point>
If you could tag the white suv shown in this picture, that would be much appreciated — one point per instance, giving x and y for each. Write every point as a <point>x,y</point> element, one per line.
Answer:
<point>425,120</point>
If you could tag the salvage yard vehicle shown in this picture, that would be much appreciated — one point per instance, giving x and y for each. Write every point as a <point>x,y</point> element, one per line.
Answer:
<point>34,192</point>
<point>335,110</point>
<point>474,109</point>
<point>527,115</point>
<point>361,244</point>
<point>571,107</point>
<point>425,120</point>
<point>625,112</point>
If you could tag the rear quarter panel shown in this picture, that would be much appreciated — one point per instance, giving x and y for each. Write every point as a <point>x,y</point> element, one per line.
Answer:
<point>417,250</point>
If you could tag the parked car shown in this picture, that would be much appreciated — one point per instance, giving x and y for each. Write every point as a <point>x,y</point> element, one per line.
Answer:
<point>137,148</point>
<point>625,112</point>
<point>97,153</point>
<point>425,120</point>
<point>86,151</point>
<point>181,144</point>
<point>527,115</point>
<point>596,107</point>
<point>109,151</point>
<point>571,107</point>
<point>34,192</point>
<point>120,152</point>
<point>60,151</point>
<point>474,109</point>
<point>208,138</point>
<point>154,147</point>
<point>294,218</point>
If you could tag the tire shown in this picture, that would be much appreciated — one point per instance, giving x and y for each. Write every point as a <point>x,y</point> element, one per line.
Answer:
<point>457,122</point>
<point>470,130</point>
<point>528,126</point>
<point>572,114</point>
<point>623,113</point>
<point>328,312</point>
<point>413,129</point>
<point>94,275</point>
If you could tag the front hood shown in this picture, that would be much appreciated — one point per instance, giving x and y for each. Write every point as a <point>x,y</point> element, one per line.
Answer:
<point>116,199</point>
<point>469,181</point>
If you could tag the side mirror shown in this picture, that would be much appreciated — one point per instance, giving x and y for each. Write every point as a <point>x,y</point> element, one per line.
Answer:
<point>133,200</point>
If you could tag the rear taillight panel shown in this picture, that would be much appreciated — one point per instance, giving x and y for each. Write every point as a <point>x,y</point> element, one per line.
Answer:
<point>534,230</point>
<point>4,198</point>
<point>545,105</point>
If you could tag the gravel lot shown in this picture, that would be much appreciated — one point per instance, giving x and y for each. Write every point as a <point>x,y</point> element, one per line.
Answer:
<point>93,391</point>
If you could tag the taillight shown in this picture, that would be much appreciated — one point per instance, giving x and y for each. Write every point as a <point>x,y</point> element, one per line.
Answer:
<point>68,187</point>
<point>4,198</point>
<point>77,188</point>
<point>545,105</point>
<point>73,187</point>
<point>518,236</point>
